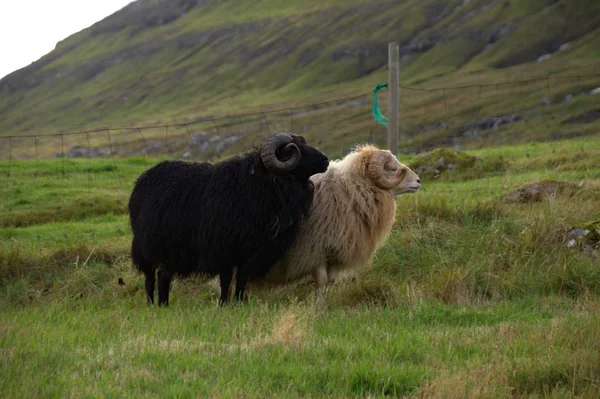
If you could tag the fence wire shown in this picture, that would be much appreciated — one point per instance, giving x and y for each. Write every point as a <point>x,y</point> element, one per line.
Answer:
<point>106,160</point>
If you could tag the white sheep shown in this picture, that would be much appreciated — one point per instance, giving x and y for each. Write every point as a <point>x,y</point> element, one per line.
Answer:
<point>351,217</point>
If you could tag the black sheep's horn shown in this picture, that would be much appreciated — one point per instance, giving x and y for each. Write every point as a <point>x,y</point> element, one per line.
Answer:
<point>270,147</point>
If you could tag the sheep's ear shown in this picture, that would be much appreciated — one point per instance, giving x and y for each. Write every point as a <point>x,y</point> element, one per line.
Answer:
<point>300,138</point>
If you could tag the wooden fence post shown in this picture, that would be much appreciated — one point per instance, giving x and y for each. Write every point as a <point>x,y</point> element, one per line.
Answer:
<point>394,96</point>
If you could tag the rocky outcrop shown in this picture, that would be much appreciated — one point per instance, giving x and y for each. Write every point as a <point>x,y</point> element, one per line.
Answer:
<point>432,164</point>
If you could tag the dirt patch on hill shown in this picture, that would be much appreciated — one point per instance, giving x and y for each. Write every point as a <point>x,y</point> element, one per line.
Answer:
<point>539,191</point>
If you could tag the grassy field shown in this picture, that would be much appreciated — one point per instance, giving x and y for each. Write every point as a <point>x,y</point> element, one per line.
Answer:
<point>473,295</point>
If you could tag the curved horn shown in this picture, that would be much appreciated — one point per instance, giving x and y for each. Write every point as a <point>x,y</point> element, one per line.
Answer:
<point>381,166</point>
<point>269,149</point>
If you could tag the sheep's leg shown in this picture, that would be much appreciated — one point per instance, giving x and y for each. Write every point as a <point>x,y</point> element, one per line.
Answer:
<point>164,283</point>
<point>225,278</point>
<point>147,266</point>
<point>150,284</point>
<point>259,264</point>
<point>240,284</point>
<point>320,276</point>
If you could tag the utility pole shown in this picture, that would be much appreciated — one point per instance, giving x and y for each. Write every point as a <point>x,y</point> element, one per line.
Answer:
<point>394,96</point>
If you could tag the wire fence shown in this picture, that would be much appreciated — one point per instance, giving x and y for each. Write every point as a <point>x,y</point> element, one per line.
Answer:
<point>430,118</point>
<point>170,139</point>
<point>105,161</point>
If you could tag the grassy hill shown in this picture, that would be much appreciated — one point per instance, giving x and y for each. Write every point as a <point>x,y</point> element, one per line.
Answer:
<point>157,61</point>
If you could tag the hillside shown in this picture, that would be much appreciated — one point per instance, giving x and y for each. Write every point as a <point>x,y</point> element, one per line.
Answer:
<point>158,60</point>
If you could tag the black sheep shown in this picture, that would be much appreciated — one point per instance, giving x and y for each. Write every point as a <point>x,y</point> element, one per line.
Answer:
<point>203,218</point>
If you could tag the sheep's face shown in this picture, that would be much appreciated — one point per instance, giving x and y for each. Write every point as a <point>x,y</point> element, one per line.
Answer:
<point>286,154</point>
<point>312,161</point>
<point>389,174</point>
<point>411,183</point>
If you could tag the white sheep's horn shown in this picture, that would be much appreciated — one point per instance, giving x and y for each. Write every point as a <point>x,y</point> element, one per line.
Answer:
<point>381,166</point>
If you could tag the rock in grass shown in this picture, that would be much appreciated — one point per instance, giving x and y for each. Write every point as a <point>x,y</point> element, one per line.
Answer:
<point>585,236</point>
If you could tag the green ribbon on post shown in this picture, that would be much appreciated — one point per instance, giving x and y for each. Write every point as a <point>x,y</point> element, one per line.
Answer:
<point>379,117</point>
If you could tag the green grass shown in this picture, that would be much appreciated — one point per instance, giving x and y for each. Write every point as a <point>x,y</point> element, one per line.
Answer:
<point>521,348</point>
<point>471,296</point>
